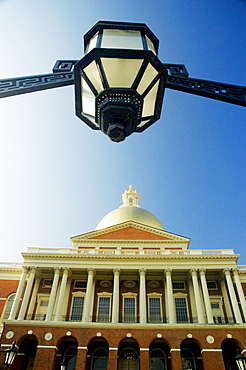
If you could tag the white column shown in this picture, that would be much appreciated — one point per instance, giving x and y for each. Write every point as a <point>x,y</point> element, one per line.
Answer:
<point>53,294</point>
<point>18,294</point>
<point>86,309</point>
<point>170,301</point>
<point>206,297</point>
<point>33,298</point>
<point>240,291</point>
<point>226,300</point>
<point>142,297</point>
<point>116,296</point>
<point>198,298</point>
<point>233,297</point>
<point>27,294</point>
<point>61,294</point>
<point>92,300</point>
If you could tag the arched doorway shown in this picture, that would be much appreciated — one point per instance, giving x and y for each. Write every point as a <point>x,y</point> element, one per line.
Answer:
<point>191,355</point>
<point>27,353</point>
<point>159,352</point>
<point>98,354</point>
<point>67,353</point>
<point>128,354</point>
<point>230,348</point>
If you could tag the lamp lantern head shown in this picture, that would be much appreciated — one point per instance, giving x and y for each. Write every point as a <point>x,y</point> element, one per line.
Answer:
<point>10,354</point>
<point>120,82</point>
<point>240,361</point>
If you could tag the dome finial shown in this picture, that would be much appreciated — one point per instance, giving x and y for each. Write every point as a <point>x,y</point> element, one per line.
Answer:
<point>130,197</point>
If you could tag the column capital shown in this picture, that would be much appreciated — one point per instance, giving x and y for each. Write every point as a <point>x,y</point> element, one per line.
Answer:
<point>227,272</point>
<point>116,271</point>
<point>65,270</point>
<point>33,269</point>
<point>235,271</point>
<point>91,271</point>
<point>25,269</point>
<point>142,272</point>
<point>202,272</point>
<point>168,272</point>
<point>57,270</point>
<point>193,272</point>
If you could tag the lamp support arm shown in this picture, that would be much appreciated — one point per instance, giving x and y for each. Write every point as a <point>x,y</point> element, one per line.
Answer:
<point>23,85</point>
<point>214,90</point>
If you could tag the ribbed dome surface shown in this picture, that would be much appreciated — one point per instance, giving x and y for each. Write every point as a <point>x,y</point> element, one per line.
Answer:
<point>130,211</point>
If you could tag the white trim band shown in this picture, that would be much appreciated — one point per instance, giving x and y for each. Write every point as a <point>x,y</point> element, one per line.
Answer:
<point>175,349</point>
<point>113,349</point>
<point>211,350</point>
<point>82,347</point>
<point>144,349</point>
<point>41,346</point>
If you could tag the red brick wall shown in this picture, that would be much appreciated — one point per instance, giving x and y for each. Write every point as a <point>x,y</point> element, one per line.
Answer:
<point>172,335</point>
<point>130,233</point>
<point>7,287</point>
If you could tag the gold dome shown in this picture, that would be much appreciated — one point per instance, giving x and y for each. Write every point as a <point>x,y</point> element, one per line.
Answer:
<point>130,210</point>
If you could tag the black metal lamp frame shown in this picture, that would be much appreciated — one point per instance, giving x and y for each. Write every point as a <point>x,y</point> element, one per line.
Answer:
<point>176,77</point>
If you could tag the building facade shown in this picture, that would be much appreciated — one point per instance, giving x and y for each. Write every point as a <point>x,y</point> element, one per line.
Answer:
<point>128,295</point>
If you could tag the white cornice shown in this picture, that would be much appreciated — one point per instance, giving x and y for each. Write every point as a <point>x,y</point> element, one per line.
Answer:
<point>36,257</point>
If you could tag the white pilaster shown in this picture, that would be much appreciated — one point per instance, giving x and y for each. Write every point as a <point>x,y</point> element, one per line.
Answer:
<point>240,291</point>
<point>206,297</point>
<point>18,294</point>
<point>53,294</point>
<point>170,302</point>
<point>142,297</point>
<point>233,297</point>
<point>27,294</point>
<point>61,294</point>
<point>88,300</point>
<point>198,298</point>
<point>116,296</point>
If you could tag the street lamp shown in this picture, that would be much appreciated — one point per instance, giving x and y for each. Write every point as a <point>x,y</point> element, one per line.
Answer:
<point>240,361</point>
<point>10,354</point>
<point>120,82</point>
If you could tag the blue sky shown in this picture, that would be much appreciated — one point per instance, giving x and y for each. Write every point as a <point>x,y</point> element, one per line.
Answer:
<point>58,178</point>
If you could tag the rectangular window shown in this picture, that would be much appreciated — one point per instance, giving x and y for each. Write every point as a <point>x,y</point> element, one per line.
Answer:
<point>44,303</point>
<point>80,284</point>
<point>215,305</point>
<point>77,309</point>
<point>129,311</point>
<point>212,285</point>
<point>178,285</point>
<point>47,283</point>
<point>155,309</point>
<point>181,310</point>
<point>103,312</point>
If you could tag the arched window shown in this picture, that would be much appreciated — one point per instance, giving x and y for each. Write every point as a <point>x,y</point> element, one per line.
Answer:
<point>98,354</point>
<point>99,359</point>
<point>188,359</point>
<point>8,306</point>
<point>191,354</point>
<point>159,352</point>
<point>70,357</point>
<point>157,359</point>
